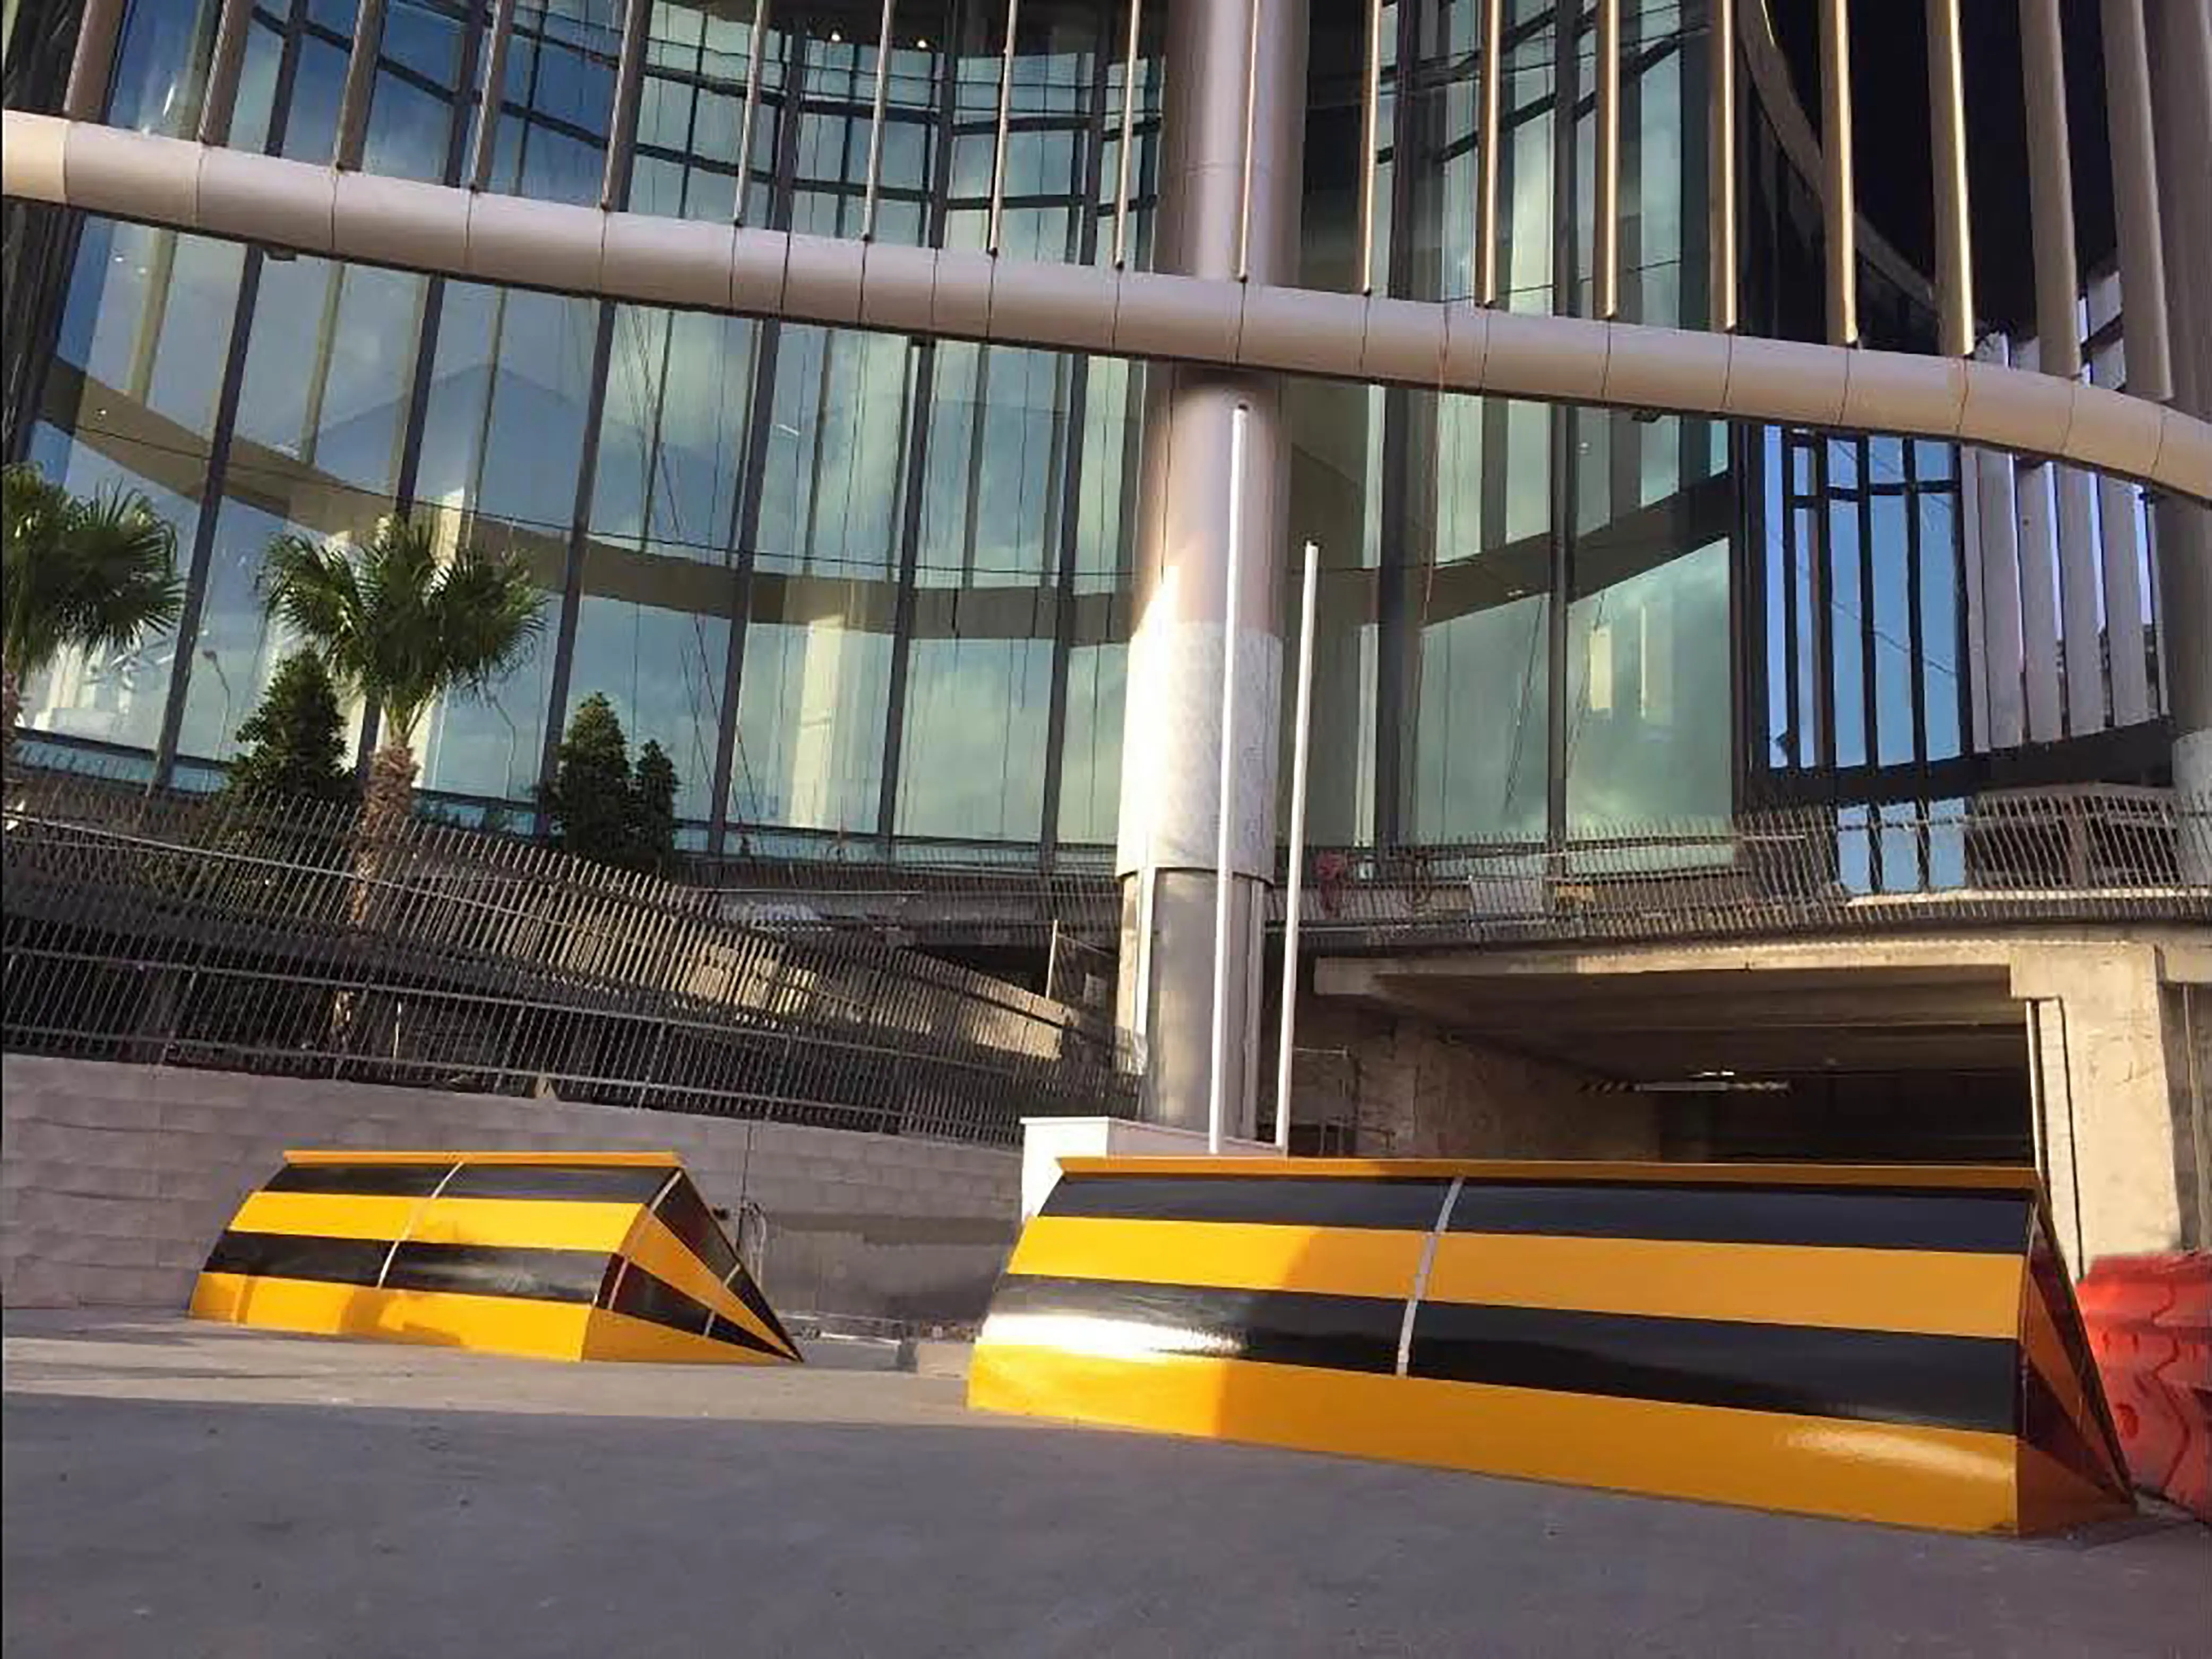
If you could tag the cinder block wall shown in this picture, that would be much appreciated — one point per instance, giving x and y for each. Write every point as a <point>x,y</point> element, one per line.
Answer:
<point>1411,1089</point>
<point>115,1180</point>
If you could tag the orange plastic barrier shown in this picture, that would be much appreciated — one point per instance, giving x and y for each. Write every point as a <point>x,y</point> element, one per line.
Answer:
<point>2149,1319</point>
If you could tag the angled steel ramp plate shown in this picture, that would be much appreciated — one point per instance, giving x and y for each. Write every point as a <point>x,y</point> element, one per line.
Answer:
<point>564,1255</point>
<point>1883,1343</point>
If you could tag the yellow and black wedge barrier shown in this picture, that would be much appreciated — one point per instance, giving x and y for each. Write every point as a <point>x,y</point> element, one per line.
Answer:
<point>1883,1343</point>
<point>560,1256</point>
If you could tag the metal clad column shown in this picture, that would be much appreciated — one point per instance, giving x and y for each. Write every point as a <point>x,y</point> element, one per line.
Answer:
<point>2038,597</point>
<point>747,121</point>
<point>221,103</point>
<point>2134,200</point>
<point>1839,195</point>
<point>482,158</point>
<point>1605,297</point>
<point>2180,42</point>
<point>2051,189</point>
<point>2058,352</point>
<point>1485,206</point>
<point>93,65</point>
<point>1126,166</point>
<point>1720,47</point>
<point>1005,117</point>
<point>359,85</point>
<point>876,124</point>
<point>2120,536</point>
<point>1371,121</point>
<point>1166,852</point>
<point>1947,122</point>
<point>1995,479</point>
<point>622,129</point>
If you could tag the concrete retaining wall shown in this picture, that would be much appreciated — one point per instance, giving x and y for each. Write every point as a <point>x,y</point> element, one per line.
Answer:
<point>115,1179</point>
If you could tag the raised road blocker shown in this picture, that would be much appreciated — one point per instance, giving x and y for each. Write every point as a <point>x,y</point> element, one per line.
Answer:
<point>1882,1343</point>
<point>560,1256</point>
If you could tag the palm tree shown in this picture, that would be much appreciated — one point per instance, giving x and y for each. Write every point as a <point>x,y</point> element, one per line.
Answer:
<point>400,628</point>
<point>94,572</point>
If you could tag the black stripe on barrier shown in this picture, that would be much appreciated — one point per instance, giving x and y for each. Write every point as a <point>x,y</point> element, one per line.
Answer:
<point>360,1180</point>
<point>498,1270</point>
<point>473,1269</point>
<point>1885,1376</point>
<point>622,1183</point>
<point>642,1295</point>
<point>1408,1205</point>
<point>299,1255</point>
<point>1993,1224</point>
<point>1282,1328</point>
<point>2046,1425</point>
<point>685,1214</point>
<point>746,1291</point>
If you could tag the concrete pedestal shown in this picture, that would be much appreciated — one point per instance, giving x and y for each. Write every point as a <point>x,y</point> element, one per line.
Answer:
<point>1046,1140</point>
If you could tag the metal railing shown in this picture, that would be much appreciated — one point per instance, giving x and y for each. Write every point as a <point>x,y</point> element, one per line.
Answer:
<point>2093,852</point>
<point>2086,853</point>
<point>269,936</point>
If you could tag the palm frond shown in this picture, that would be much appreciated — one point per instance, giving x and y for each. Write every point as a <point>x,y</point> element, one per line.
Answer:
<point>125,558</point>
<point>398,624</point>
<point>310,586</point>
<point>490,610</point>
<point>96,574</point>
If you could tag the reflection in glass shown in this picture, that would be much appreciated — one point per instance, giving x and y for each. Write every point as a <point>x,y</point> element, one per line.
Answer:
<point>315,452</point>
<point>128,403</point>
<point>809,746</point>
<point>1647,693</point>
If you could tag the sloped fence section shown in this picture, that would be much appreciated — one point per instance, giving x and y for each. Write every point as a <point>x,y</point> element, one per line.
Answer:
<point>267,936</point>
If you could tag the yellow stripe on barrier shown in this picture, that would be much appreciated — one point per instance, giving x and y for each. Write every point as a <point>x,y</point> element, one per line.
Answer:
<point>1936,1292</point>
<point>534,1224</point>
<point>1227,1255</point>
<point>545,1330</point>
<point>524,1224</point>
<point>326,1215</point>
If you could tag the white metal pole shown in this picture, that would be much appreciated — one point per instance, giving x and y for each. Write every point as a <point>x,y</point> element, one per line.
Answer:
<point>1225,879</point>
<point>1294,897</point>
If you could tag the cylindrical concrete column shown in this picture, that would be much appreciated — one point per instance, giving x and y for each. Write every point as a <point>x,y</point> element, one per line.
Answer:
<point>2180,40</point>
<point>2134,200</point>
<point>2051,189</point>
<point>1216,51</point>
<point>1946,129</point>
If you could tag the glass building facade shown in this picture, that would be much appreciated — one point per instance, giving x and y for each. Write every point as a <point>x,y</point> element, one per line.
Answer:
<point>875,591</point>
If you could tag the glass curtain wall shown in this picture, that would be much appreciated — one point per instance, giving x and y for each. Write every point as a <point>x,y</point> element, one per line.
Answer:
<point>1518,602</point>
<point>1860,690</point>
<point>1853,568</point>
<point>857,587</point>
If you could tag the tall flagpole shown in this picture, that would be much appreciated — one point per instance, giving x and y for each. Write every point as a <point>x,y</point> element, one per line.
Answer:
<point>1225,879</point>
<point>1294,894</point>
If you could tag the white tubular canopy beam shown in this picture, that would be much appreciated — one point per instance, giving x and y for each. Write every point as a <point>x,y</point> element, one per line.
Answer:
<point>649,259</point>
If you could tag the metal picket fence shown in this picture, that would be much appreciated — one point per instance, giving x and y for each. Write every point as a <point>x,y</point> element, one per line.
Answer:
<point>2085,852</point>
<point>2093,852</point>
<point>267,936</point>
